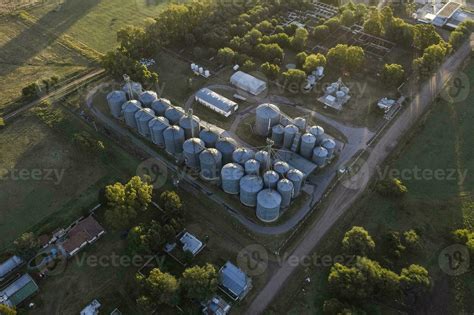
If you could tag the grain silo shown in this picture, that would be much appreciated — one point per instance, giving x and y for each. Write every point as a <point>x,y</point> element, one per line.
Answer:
<point>270,179</point>
<point>192,148</point>
<point>174,139</point>
<point>209,137</point>
<point>231,174</point>
<point>116,99</point>
<point>129,109</point>
<point>242,155</point>
<point>308,142</point>
<point>147,98</point>
<point>157,127</point>
<point>160,106</point>
<point>329,145</point>
<point>190,125</point>
<point>227,147</point>
<point>286,189</point>
<point>278,135</point>
<point>211,164</point>
<point>143,117</point>
<point>290,133</point>
<point>252,167</point>
<point>300,122</point>
<point>263,157</point>
<point>320,155</point>
<point>318,132</point>
<point>267,116</point>
<point>174,114</point>
<point>297,178</point>
<point>281,167</point>
<point>133,89</point>
<point>250,186</point>
<point>268,205</point>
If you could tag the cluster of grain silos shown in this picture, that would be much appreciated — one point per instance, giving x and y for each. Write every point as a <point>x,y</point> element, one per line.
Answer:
<point>116,99</point>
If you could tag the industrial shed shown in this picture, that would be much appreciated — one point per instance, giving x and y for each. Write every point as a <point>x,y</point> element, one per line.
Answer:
<point>248,83</point>
<point>234,281</point>
<point>18,291</point>
<point>216,102</point>
<point>8,266</point>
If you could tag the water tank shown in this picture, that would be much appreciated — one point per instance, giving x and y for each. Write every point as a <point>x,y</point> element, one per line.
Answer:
<point>174,139</point>
<point>329,145</point>
<point>278,134</point>
<point>318,132</point>
<point>268,205</point>
<point>297,178</point>
<point>209,137</point>
<point>300,122</point>
<point>116,99</point>
<point>252,167</point>
<point>134,87</point>
<point>143,117</point>
<point>264,159</point>
<point>129,109</point>
<point>147,98</point>
<point>250,186</point>
<point>190,125</point>
<point>345,89</point>
<point>174,114</point>
<point>286,189</point>
<point>281,167</point>
<point>308,142</point>
<point>157,126</point>
<point>242,155</point>
<point>231,174</point>
<point>227,147</point>
<point>270,179</point>
<point>267,116</point>
<point>211,164</point>
<point>192,148</point>
<point>290,132</point>
<point>160,106</point>
<point>340,95</point>
<point>320,155</point>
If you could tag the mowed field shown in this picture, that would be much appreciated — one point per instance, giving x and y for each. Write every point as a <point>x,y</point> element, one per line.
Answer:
<point>433,207</point>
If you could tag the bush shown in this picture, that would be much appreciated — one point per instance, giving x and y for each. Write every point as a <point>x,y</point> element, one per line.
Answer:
<point>391,188</point>
<point>31,91</point>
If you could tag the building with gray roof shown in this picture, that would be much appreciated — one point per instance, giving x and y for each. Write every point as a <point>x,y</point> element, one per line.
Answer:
<point>216,102</point>
<point>234,281</point>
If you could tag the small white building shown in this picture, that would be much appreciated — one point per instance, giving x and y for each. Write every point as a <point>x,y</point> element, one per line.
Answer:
<point>92,308</point>
<point>248,83</point>
<point>191,243</point>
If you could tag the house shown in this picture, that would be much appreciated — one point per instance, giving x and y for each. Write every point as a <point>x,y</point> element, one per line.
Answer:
<point>92,308</point>
<point>216,102</point>
<point>248,83</point>
<point>18,291</point>
<point>216,306</point>
<point>81,234</point>
<point>191,243</point>
<point>234,281</point>
<point>9,266</point>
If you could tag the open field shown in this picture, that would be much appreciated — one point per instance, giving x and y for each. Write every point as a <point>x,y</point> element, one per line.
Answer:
<point>432,207</point>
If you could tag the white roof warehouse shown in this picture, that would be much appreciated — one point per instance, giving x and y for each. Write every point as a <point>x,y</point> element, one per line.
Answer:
<point>248,83</point>
<point>216,102</point>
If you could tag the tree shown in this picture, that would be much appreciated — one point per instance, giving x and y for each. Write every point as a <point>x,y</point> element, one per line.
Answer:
<point>357,241</point>
<point>249,65</point>
<point>301,59</point>
<point>392,187</point>
<point>400,32</point>
<point>88,143</point>
<point>171,201</point>
<point>386,17</point>
<point>270,52</point>
<point>411,239</point>
<point>394,244</point>
<point>320,32</point>
<point>146,238</point>
<point>133,41</point>
<point>373,25</point>
<point>282,39</point>
<point>294,76</point>
<point>199,283</point>
<point>2,122</point>
<point>226,56</point>
<point>393,75</point>
<point>159,288</point>
<point>346,58</point>
<point>31,91</point>
<point>334,306</point>
<point>347,17</point>
<point>266,27</point>
<point>348,282</point>
<point>313,61</point>
<point>456,39</point>
<point>253,37</point>
<point>424,36</point>
<point>6,310</point>
<point>300,39</point>
<point>333,24</point>
<point>272,71</point>
<point>415,282</point>
<point>26,244</point>
<point>431,59</point>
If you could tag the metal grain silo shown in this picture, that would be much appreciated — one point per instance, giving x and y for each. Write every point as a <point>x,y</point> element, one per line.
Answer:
<point>267,116</point>
<point>231,174</point>
<point>252,167</point>
<point>242,155</point>
<point>174,139</point>
<point>174,114</point>
<point>133,89</point>
<point>143,117</point>
<point>147,98</point>
<point>290,133</point>
<point>192,148</point>
<point>116,99</point>
<point>281,167</point>
<point>227,147</point>
<point>329,145</point>
<point>250,186</point>
<point>157,126</point>
<point>211,164</point>
<point>268,205</point>
<point>318,132</point>
<point>308,142</point>
<point>264,159</point>
<point>286,189</point>
<point>129,109</point>
<point>270,179</point>
<point>160,106</point>
<point>297,178</point>
<point>209,137</point>
<point>320,155</point>
<point>278,135</point>
<point>300,122</point>
<point>190,125</point>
